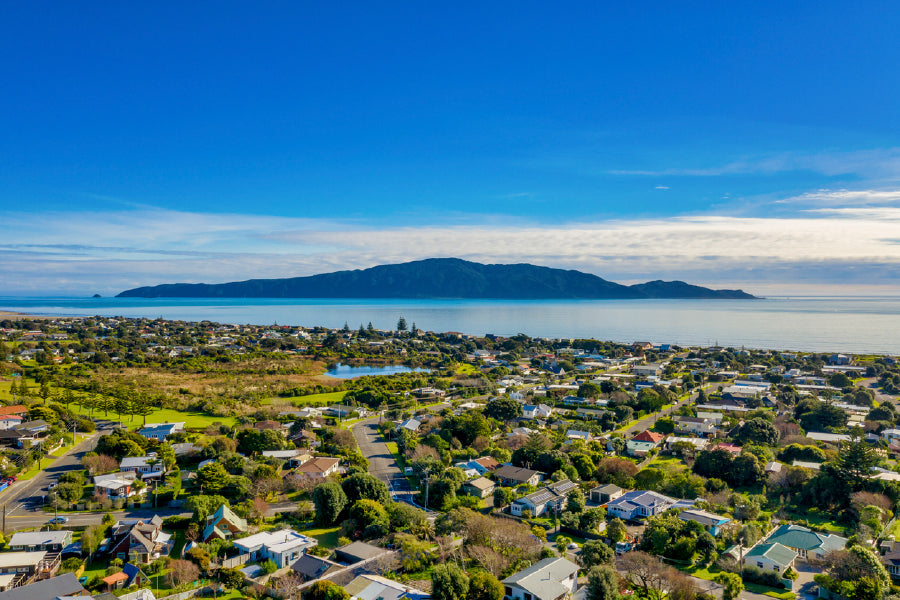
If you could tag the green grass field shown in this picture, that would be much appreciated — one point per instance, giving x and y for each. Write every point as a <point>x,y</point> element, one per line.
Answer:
<point>192,420</point>
<point>325,399</point>
<point>327,536</point>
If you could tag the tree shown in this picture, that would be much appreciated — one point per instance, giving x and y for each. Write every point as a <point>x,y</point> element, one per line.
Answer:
<point>91,538</point>
<point>484,586</point>
<point>747,470</point>
<point>213,477</point>
<point>449,582</point>
<point>503,409</point>
<point>603,583</point>
<point>595,552</point>
<point>401,324</point>
<point>616,530</point>
<point>330,501</point>
<point>855,461</point>
<point>182,571</point>
<point>365,486</point>
<point>231,578</point>
<point>732,583</point>
<point>326,590</point>
<point>758,431</point>
<point>70,492</point>
<point>371,518</point>
<point>646,572</point>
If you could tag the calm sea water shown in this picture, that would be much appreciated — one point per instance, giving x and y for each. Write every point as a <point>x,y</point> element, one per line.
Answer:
<point>860,324</point>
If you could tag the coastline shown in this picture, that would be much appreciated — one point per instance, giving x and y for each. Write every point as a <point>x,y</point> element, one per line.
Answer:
<point>18,316</point>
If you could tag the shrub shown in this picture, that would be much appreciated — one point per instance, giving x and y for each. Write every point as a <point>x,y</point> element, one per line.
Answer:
<point>769,578</point>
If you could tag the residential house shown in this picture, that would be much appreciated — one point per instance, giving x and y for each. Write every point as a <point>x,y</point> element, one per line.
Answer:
<point>891,435</point>
<point>282,547</point>
<point>650,436</point>
<point>694,425</point>
<point>139,540</point>
<point>10,421</point>
<point>130,574</point>
<point>310,567</point>
<point>223,524</point>
<point>411,425</point>
<point>734,450</point>
<point>829,438</point>
<point>16,410</point>
<point>372,587</point>
<point>770,557</point>
<point>319,467</point>
<point>638,447</point>
<point>61,586</point>
<point>294,457</point>
<point>22,568</point>
<point>480,488</point>
<point>550,498</point>
<point>808,544</point>
<point>648,370</point>
<point>356,552</point>
<point>577,434</point>
<point>697,443</point>
<point>549,579</point>
<point>640,504</point>
<point>146,466</point>
<point>604,493</point>
<point>509,475</point>
<point>591,413</point>
<point>115,486</point>
<point>711,522</point>
<point>160,431</point>
<point>891,560</point>
<point>539,411</point>
<point>714,417</point>
<point>489,463</point>
<point>343,412</point>
<point>32,541</point>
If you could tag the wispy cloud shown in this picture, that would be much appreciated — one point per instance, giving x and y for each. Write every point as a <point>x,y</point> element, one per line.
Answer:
<point>661,187</point>
<point>111,251</point>
<point>843,197</point>
<point>875,163</point>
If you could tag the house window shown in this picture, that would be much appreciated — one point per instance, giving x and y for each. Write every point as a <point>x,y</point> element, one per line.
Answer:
<point>775,568</point>
<point>527,596</point>
<point>508,590</point>
<point>759,564</point>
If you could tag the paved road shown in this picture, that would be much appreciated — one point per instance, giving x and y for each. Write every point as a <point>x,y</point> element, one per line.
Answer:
<point>648,421</point>
<point>373,447</point>
<point>25,497</point>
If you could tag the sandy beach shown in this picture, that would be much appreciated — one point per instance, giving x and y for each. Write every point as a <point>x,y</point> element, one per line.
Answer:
<point>16,316</point>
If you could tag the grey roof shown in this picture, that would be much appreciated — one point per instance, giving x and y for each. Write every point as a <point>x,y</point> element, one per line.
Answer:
<point>609,488</point>
<point>312,567</point>
<point>543,579</point>
<point>48,589</point>
<point>515,473</point>
<point>39,538</point>
<point>706,519</point>
<point>359,551</point>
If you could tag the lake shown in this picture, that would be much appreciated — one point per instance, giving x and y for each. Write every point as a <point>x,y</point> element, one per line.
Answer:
<point>350,371</point>
<point>822,324</point>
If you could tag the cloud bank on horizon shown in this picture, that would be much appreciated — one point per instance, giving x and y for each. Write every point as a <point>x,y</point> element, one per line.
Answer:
<point>828,247</point>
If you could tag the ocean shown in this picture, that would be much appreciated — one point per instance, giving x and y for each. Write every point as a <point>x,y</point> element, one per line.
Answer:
<point>859,325</point>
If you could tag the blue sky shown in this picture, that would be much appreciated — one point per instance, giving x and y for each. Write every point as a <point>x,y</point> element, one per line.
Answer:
<point>756,145</point>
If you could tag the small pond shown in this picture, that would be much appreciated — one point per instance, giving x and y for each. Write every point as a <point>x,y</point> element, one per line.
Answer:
<point>349,371</point>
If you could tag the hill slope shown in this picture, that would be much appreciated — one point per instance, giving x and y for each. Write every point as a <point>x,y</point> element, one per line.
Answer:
<point>437,278</point>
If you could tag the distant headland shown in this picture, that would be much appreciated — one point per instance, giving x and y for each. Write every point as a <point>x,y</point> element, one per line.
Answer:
<point>433,278</point>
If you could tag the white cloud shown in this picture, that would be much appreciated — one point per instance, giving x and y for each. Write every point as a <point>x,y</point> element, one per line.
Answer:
<point>876,163</point>
<point>661,187</point>
<point>108,252</point>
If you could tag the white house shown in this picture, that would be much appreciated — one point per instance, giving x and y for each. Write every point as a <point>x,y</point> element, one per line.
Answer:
<point>145,466</point>
<point>695,425</point>
<point>281,547</point>
<point>549,579</point>
<point>539,411</point>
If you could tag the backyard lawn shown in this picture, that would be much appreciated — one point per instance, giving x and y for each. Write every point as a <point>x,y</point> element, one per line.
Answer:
<point>327,536</point>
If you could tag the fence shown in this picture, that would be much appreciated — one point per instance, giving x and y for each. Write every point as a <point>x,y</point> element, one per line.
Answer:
<point>230,563</point>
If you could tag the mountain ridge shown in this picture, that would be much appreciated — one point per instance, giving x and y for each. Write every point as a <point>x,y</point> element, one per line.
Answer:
<point>439,278</point>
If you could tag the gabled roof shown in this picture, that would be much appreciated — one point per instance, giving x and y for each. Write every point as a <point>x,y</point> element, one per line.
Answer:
<point>649,436</point>
<point>777,553</point>
<point>482,483</point>
<point>543,579</point>
<point>488,462</point>
<point>313,567</point>
<point>48,589</point>
<point>515,473</point>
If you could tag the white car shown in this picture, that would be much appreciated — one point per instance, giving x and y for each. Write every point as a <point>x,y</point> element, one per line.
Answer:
<point>572,546</point>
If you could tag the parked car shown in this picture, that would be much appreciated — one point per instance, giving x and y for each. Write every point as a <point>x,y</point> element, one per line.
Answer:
<point>623,547</point>
<point>58,520</point>
<point>51,486</point>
